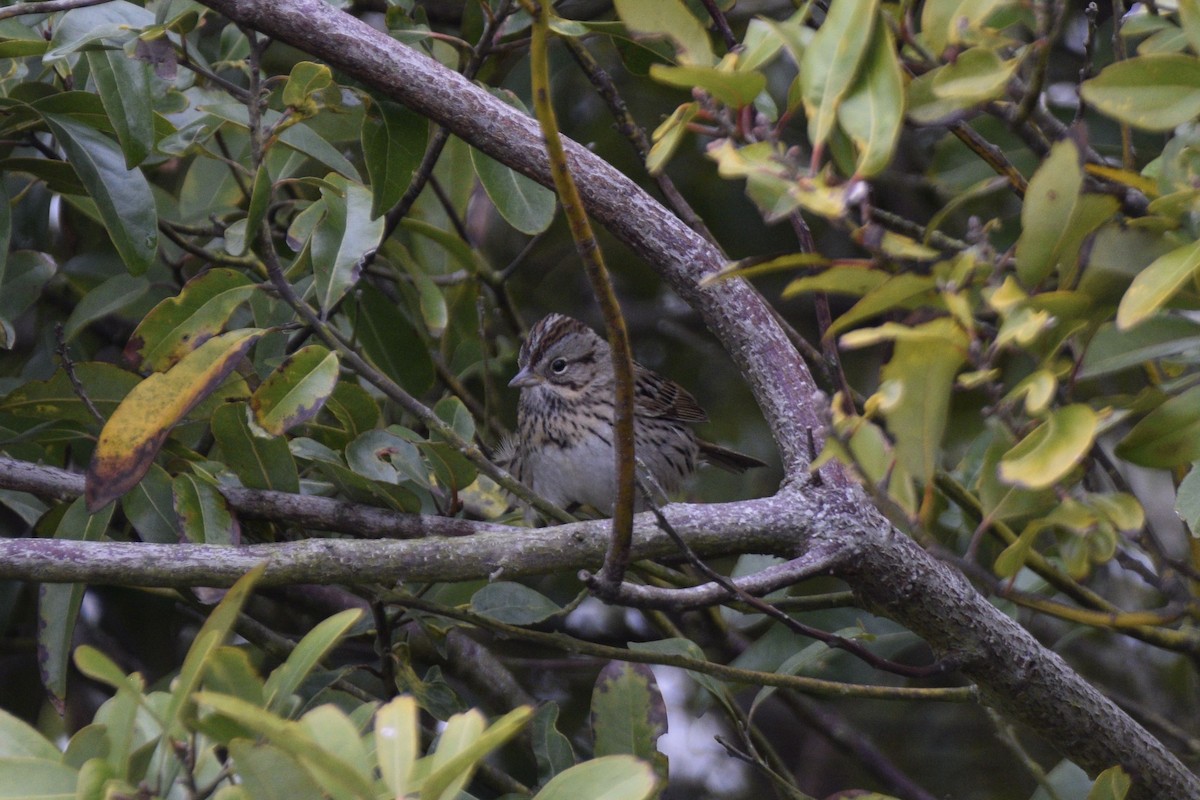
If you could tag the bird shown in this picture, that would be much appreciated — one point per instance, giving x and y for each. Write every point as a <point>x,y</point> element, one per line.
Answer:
<point>563,446</point>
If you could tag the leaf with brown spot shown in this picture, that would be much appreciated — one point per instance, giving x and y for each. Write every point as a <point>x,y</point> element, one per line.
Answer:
<point>141,423</point>
<point>179,325</point>
<point>295,392</point>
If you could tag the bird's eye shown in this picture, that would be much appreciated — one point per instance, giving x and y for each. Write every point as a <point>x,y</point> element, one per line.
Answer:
<point>558,366</point>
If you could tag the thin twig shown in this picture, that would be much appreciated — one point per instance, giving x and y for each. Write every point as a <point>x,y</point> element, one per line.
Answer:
<point>69,367</point>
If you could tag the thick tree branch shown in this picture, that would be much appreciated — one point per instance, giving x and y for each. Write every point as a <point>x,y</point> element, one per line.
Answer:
<point>888,571</point>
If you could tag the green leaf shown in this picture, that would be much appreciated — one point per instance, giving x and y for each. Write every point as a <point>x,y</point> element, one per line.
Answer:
<point>462,746</point>
<point>58,603</point>
<point>55,399</point>
<point>149,507</point>
<point>116,21</point>
<point>1159,337</point>
<point>116,293</point>
<point>734,88</point>
<point>305,80</point>
<point>203,514</point>
<point>831,63</point>
<point>18,739</point>
<point>1154,92</point>
<point>316,644</point>
<point>1169,436</point>
<point>296,391</point>
<point>525,204</point>
<point>1050,202</point>
<point>343,238</point>
<point>299,137</point>
<point>552,750</point>
<point>36,779</point>
<point>628,712</point>
<point>397,743</point>
<point>1189,20</point>
<point>381,455</point>
<point>872,111</point>
<point>671,20</point>
<point>211,636</point>
<point>391,342</point>
<point>1112,784</point>
<point>513,603</point>
<point>260,462</point>
<point>122,195</point>
<point>1187,499</point>
<point>332,772</point>
<point>1012,559</point>
<point>1155,285</point>
<point>180,324</point>
<point>123,84</point>
<point>269,773</point>
<point>256,211</point>
<point>921,375</point>
<point>5,236</point>
<point>976,76</point>
<point>1052,449</point>
<point>393,141</point>
<point>905,290</point>
<point>606,778</point>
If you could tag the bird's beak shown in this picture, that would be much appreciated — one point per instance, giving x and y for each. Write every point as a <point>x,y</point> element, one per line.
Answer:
<point>523,379</point>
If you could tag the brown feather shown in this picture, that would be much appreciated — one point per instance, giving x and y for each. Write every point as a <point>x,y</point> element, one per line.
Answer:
<point>726,459</point>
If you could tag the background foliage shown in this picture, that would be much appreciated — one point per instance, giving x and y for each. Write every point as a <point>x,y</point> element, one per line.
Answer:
<point>225,264</point>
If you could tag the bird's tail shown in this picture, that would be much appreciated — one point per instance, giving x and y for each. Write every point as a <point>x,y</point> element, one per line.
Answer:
<point>726,459</point>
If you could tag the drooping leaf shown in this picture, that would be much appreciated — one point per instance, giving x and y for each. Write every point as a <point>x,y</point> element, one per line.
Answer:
<point>342,239</point>
<point>1050,202</point>
<point>58,603</point>
<point>832,61</point>
<point>921,372</point>
<point>149,506</point>
<point>123,84</point>
<point>551,748</point>
<point>138,427</point>
<point>391,342</point>
<point>203,514</point>
<point>628,712</point>
<point>260,462</point>
<point>122,195</point>
<point>872,111</point>
<point>393,141</point>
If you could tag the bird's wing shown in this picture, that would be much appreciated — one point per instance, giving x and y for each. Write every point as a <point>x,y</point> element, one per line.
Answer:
<point>656,396</point>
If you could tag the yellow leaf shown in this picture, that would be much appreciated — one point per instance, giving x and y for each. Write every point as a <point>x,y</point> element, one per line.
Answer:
<point>140,424</point>
<point>1052,450</point>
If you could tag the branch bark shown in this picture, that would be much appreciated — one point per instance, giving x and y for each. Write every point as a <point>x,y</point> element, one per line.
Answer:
<point>885,568</point>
